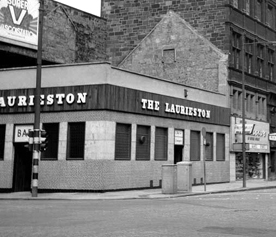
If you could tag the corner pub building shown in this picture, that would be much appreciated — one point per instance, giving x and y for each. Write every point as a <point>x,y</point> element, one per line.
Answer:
<point>109,129</point>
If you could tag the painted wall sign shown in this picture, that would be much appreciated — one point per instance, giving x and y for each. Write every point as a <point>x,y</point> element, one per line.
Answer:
<point>21,133</point>
<point>19,21</point>
<point>23,101</point>
<point>112,98</point>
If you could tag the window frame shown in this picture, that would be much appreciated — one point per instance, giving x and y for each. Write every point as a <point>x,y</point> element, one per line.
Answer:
<point>165,151</point>
<point>218,147</point>
<point>193,141</point>
<point>270,63</point>
<point>143,143</point>
<point>260,60</point>
<point>2,141</point>
<point>119,142</point>
<point>51,140</point>
<point>236,50</point>
<point>82,125</point>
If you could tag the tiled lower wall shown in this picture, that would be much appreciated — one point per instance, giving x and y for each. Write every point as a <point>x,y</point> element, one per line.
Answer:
<point>99,174</point>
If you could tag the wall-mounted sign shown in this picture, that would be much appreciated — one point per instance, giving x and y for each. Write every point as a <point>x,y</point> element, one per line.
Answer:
<point>248,128</point>
<point>272,137</point>
<point>21,133</point>
<point>19,21</point>
<point>179,137</point>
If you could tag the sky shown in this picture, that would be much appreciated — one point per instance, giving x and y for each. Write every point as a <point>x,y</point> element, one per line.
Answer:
<point>90,6</point>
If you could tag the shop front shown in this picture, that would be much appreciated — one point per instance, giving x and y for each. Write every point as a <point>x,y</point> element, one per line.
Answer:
<point>257,149</point>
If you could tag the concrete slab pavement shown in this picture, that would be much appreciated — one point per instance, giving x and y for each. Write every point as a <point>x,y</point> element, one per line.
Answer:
<point>236,186</point>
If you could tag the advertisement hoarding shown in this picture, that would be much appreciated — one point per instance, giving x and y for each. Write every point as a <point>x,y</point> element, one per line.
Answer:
<point>19,22</point>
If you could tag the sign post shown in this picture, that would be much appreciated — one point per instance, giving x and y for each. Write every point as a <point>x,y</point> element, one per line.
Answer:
<point>204,153</point>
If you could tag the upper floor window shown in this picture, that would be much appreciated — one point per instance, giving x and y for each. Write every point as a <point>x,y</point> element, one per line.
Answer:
<point>269,16</point>
<point>248,62</point>
<point>261,101</point>
<point>260,60</point>
<point>2,141</point>
<point>236,50</point>
<point>237,100</point>
<point>250,103</point>
<point>247,7</point>
<point>259,10</point>
<point>270,64</point>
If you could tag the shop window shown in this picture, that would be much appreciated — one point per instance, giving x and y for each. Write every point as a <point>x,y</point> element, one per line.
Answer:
<point>161,143</point>
<point>248,62</point>
<point>209,149</point>
<point>75,141</point>
<point>260,60</point>
<point>195,146</point>
<point>236,51</point>
<point>270,64</point>
<point>220,151</point>
<point>143,143</point>
<point>51,152</point>
<point>2,141</point>
<point>123,142</point>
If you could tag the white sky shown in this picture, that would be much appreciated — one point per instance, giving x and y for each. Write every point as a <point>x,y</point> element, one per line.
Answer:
<point>90,6</point>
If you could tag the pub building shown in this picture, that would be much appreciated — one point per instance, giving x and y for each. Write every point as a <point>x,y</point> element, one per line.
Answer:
<point>109,129</point>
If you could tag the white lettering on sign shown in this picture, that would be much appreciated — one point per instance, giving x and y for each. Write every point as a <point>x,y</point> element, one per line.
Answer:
<point>150,104</point>
<point>23,101</point>
<point>176,109</point>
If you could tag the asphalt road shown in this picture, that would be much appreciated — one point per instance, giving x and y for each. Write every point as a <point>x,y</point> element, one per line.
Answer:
<point>221,215</point>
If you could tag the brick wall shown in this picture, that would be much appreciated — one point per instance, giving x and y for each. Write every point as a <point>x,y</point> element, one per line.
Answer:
<point>130,21</point>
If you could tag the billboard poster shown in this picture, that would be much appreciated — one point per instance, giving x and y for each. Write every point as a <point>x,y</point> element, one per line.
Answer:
<point>19,22</point>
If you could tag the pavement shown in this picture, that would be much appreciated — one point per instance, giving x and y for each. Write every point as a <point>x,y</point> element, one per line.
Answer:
<point>236,186</point>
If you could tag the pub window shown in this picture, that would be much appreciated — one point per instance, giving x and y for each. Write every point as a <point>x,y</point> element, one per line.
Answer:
<point>168,55</point>
<point>260,60</point>
<point>236,50</point>
<point>123,142</point>
<point>195,146</point>
<point>161,143</point>
<point>270,64</point>
<point>220,151</point>
<point>75,141</point>
<point>209,149</point>
<point>269,16</point>
<point>2,141</point>
<point>143,143</point>
<point>259,10</point>
<point>51,152</point>
<point>248,55</point>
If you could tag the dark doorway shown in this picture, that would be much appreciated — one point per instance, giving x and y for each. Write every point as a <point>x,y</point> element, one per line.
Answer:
<point>22,169</point>
<point>178,153</point>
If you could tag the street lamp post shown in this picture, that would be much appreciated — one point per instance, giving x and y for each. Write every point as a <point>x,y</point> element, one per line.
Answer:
<point>36,147</point>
